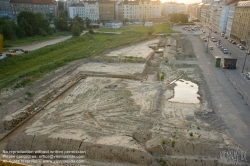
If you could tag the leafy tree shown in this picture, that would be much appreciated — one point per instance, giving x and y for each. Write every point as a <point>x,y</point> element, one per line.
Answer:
<point>175,17</point>
<point>26,27</point>
<point>20,32</point>
<point>8,30</point>
<point>87,21</point>
<point>50,16</point>
<point>31,19</point>
<point>183,18</point>
<point>61,22</point>
<point>76,31</point>
<point>43,23</point>
<point>79,22</point>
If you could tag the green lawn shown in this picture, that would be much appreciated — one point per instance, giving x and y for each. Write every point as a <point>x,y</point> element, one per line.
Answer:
<point>22,70</point>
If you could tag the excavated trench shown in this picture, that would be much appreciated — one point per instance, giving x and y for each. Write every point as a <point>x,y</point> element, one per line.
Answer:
<point>122,117</point>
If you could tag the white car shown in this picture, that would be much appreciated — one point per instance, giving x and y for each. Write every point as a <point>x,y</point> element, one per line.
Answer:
<point>248,75</point>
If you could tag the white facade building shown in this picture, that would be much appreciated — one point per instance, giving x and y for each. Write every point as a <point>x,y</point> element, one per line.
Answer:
<point>170,8</point>
<point>181,8</point>
<point>223,19</point>
<point>77,9</point>
<point>91,10</point>
<point>230,18</point>
<point>87,9</point>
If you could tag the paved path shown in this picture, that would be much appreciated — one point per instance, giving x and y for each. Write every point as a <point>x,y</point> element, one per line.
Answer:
<point>227,102</point>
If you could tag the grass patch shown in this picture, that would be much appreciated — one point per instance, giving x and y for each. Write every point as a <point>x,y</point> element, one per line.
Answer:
<point>173,143</point>
<point>163,141</point>
<point>163,76</point>
<point>33,39</point>
<point>25,69</point>
<point>29,94</point>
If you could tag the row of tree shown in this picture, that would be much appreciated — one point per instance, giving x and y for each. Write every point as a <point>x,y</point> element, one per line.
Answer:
<point>178,17</point>
<point>30,24</point>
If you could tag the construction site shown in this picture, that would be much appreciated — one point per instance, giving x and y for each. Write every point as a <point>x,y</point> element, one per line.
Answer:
<point>140,104</point>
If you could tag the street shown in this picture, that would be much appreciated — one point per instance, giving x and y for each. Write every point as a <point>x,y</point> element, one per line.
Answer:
<point>228,103</point>
<point>232,48</point>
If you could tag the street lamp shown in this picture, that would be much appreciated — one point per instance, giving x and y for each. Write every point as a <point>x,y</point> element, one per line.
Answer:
<point>245,56</point>
<point>208,38</point>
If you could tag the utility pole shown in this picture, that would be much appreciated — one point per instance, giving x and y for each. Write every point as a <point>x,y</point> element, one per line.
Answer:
<point>245,56</point>
<point>208,38</point>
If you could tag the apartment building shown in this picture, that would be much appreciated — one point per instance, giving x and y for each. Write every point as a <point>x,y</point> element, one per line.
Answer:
<point>173,7</point>
<point>5,9</point>
<point>77,9</point>
<point>230,16</point>
<point>241,22</point>
<point>85,9</point>
<point>106,10</point>
<point>204,13</point>
<point>43,6</point>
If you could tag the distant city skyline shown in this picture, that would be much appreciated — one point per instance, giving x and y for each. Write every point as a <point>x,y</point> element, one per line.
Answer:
<point>183,1</point>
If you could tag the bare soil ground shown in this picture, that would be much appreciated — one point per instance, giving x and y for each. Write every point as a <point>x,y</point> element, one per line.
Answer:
<point>118,111</point>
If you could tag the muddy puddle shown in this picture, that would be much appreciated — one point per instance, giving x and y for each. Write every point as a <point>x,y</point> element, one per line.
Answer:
<point>185,92</point>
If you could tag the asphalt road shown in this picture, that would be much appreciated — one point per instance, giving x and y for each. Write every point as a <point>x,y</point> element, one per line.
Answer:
<point>232,48</point>
<point>227,103</point>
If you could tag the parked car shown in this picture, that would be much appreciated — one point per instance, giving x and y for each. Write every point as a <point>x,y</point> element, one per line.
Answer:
<point>225,51</point>
<point>226,37</point>
<point>242,47</point>
<point>234,42</point>
<point>248,52</point>
<point>248,75</point>
<point>222,48</point>
<point>211,47</point>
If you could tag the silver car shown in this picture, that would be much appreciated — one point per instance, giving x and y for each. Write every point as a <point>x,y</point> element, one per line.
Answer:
<point>248,75</point>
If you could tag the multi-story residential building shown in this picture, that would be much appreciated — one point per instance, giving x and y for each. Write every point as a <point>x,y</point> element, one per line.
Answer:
<point>169,8</point>
<point>5,9</point>
<point>119,10</point>
<point>241,22</point>
<point>92,10</point>
<point>204,13</point>
<point>106,10</point>
<point>77,9</point>
<point>223,18</point>
<point>232,4</point>
<point>43,6</point>
<point>173,7</point>
<point>85,9</point>
<point>192,9</point>
<point>131,10</point>
<point>216,22</point>
<point>181,8</point>
<point>140,10</point>
<point>199,10</point>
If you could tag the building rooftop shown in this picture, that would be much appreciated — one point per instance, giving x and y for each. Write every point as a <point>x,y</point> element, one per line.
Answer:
<point>244,3</point>
<point>230,2</point>
<point>33,1</point>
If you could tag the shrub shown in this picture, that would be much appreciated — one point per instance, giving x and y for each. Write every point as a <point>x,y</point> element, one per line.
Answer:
<point>173,143</point>
<point>91,31</point>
